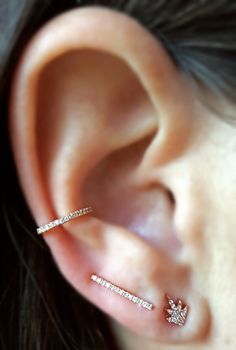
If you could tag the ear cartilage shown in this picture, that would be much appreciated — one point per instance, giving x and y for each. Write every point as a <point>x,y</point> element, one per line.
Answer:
<point>64,219</point>
<point>177,313</point>
<point>112,287</point>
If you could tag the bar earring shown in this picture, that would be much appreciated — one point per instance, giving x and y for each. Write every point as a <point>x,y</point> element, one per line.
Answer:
<point>131,297</point>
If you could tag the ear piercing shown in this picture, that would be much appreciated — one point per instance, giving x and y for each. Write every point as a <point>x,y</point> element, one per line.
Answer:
<point>177,313</point>
<point>64,219</point>
<point>131,297</point>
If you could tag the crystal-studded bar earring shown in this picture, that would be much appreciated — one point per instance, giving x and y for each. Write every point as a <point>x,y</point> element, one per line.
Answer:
<point>131,297</point>
<point>177,312</point>
<point>64,219</point>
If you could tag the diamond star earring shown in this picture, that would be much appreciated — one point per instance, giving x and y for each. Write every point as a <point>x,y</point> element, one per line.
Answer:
<point>177,313</point>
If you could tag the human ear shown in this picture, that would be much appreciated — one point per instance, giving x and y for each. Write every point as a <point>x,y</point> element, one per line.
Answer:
<point>97,111</point>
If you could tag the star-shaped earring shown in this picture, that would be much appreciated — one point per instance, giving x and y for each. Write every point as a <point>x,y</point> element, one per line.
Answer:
<point>177,313</point>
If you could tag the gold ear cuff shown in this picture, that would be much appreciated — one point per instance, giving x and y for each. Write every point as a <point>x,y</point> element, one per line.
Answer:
<point>64,219</point>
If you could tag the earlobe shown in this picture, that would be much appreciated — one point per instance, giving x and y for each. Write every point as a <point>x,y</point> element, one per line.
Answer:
<point>92,121</point>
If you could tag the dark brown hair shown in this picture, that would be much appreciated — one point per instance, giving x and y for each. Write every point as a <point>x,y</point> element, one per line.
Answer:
<point>38,309</point>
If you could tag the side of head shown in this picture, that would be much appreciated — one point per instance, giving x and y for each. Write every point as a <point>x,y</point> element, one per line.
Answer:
<point>104,117</point>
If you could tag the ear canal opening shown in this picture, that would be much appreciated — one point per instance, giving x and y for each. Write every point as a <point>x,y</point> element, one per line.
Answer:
<point>112,190</point>
<point>112,177</point>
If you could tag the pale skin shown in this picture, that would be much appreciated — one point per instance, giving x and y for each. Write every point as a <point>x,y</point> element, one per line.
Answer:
<point>100,118</point>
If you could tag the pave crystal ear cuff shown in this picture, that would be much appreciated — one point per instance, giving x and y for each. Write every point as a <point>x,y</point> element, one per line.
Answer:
<point>177,313</point>
<point>131,297</point>
<point>64,219</point>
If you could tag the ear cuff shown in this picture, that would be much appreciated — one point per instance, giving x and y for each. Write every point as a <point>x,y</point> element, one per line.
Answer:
<point>63,219</point>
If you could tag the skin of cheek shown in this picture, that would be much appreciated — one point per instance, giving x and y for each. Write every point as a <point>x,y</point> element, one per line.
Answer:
<point>216,157</point>
<point>223,245</point>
